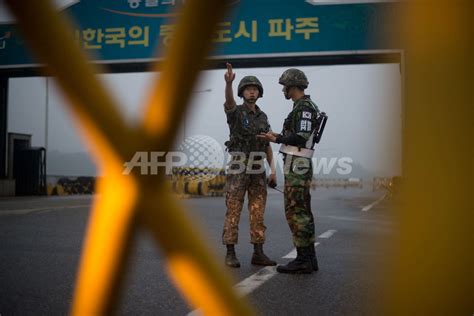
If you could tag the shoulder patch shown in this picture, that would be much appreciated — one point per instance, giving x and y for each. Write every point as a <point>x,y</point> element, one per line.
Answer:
<point>305,126</point>
<point>306,115</point>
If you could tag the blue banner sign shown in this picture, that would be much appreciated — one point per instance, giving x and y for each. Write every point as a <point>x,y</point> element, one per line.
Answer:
<point>127,31</point>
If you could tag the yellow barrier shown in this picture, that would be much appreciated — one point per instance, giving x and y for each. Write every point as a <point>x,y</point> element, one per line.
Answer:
<point>196,188</point>
<point>432,264</point>
<point>133,199</point>
<point>431,270</point>
<point>195,181</point>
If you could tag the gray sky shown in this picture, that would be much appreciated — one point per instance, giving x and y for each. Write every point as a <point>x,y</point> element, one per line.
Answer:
<point>363,103</point>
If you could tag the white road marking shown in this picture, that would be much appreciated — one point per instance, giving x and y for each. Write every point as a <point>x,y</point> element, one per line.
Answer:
<point>40,209</point>
<point>327,234</point>
<point>368,207</point>
<point>248,285</point>
<point>254,281</point>
<point>292,254</point>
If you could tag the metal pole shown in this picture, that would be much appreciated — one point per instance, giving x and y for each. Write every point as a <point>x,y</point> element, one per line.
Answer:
<point>46,119</point>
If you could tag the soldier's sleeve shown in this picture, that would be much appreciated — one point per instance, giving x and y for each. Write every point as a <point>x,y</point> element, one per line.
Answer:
<point>304,122</point>
<point>231,113</point>
<point>291,139</point>
<point>267,128</point>
<point>264,128</point>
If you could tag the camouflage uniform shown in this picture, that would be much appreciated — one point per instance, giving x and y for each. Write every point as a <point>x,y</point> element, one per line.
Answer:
<point>301,121</point>
<point>297,184</point>
<point>236,186</point>
<point>244,125</point>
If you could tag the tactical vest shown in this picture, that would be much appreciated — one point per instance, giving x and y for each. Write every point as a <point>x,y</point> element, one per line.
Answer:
<point>244,130</point>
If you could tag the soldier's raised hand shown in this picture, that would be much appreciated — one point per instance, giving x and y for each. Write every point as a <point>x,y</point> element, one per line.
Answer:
<point>229,75</point>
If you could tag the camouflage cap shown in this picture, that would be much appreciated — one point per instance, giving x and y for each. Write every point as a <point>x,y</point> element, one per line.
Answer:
<point>293,78</point>
<point>249,81</point>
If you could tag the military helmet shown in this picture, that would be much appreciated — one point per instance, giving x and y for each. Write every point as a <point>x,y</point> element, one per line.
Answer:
<point>293,78</point>
<point>250,81</point>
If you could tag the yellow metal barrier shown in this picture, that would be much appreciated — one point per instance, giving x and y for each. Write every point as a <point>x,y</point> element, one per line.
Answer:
<point>432,262</point>
<point>196,188</point>
<point>125,201</point>
<point>433,257</point>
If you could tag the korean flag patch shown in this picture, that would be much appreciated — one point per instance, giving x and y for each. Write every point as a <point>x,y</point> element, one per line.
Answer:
<point>306,115</point>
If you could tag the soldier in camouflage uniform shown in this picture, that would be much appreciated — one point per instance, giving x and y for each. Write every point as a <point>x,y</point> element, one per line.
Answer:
<point>297,137</point>
<point>246,171</point>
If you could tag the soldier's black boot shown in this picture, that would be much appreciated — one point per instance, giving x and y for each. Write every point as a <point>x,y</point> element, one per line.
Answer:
<point>302,263</point>
<point>314,260</point>
<point>259,258</point>
<point>230,258</point>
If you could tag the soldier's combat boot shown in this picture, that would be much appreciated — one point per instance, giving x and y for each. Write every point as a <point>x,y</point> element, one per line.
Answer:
<point>302,263</point>
<point>259,258</point>
<point>230,258</point>
<point>314,260</point>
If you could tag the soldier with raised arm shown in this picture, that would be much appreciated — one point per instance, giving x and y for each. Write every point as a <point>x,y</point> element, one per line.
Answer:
<point>246,172</point>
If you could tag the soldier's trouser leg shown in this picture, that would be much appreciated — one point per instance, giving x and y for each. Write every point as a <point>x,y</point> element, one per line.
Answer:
<point>257,195</point>
<point>236,185</point>
<point>310,212</point>
<point>314,260</point>
<point>298,215</point>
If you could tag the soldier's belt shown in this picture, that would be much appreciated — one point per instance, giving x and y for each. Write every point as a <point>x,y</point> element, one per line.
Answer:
<point>296,151</point>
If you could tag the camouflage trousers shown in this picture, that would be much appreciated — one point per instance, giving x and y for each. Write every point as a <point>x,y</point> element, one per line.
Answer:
<point>236,187</point>
<point>298,207</point>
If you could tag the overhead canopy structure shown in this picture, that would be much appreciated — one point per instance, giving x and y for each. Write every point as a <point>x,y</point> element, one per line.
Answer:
<point>128,35</point>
